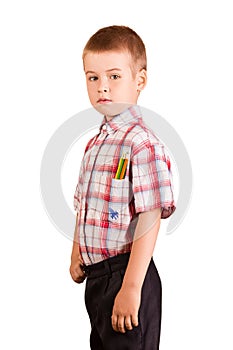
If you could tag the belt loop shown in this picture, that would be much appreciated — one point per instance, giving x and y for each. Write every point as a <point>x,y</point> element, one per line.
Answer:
<point>107,267</point>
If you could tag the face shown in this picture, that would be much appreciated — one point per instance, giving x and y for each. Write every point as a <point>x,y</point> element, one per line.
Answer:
<point>111,85</point>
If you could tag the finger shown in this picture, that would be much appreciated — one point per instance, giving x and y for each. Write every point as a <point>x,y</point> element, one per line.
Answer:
<point>128,323</point>
<point>121,324</point>
<point>114,323</point>
<point>76,278</point>
<point>81,270</point>
<point>134,319</point>
<point>77,275</point>
<point>80,277</point>
<point>80,280</point>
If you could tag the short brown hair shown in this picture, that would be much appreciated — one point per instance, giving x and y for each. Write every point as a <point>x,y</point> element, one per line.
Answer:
<point>118,38</point>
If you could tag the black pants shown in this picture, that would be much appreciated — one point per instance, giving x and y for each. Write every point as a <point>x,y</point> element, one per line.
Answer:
<point>104,280</point>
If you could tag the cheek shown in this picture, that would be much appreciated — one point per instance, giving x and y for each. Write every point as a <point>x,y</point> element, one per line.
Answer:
<point>90,89</point>
<point>128,89</point>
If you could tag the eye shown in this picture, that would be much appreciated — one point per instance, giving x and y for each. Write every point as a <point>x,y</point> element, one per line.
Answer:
<point>114,76</point>
<point>92,78</point>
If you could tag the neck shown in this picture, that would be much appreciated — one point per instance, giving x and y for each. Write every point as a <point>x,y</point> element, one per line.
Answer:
<point>107,117</point>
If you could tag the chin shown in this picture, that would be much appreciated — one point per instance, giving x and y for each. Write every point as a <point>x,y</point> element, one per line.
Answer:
<point>112,109</point>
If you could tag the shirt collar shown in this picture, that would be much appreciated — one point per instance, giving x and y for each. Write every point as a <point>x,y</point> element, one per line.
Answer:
<point>127,117</point>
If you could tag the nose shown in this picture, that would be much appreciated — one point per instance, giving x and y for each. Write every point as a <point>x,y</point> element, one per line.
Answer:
<point>103,89</point>
<point>103,86</point>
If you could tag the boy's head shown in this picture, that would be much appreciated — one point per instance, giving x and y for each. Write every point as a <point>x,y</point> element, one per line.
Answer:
<point>115,64</point>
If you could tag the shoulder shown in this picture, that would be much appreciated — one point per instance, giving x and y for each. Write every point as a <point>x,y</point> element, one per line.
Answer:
<point>144,138</point>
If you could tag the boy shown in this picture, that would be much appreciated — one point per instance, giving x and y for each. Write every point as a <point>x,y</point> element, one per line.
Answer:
<point>124,189</point>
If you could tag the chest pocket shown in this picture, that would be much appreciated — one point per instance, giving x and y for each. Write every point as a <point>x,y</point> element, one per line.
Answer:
<point>120,196</point>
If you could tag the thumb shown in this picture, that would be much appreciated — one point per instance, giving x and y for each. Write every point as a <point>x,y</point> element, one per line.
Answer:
<point>81,259</point>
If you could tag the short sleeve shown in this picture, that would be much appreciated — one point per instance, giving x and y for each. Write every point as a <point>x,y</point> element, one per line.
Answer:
<point>79,186</point>
<point>77,199</point>
<point>152,180</point>
<point>78,190</point>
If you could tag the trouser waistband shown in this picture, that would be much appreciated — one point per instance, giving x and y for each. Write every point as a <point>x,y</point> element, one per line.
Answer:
<point>107,266</point>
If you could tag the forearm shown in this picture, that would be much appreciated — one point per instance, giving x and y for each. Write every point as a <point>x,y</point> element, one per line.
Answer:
<point>76,271</point>
<point>142,249</point>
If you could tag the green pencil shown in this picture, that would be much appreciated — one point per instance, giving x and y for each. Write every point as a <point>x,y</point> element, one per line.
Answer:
<point>120,165</point>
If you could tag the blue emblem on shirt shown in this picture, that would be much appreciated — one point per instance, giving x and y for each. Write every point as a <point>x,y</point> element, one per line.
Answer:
<point>113,214</point>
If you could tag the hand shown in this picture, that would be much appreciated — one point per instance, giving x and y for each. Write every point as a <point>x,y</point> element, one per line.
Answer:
<point>76,271</point>
<point>125,309</point>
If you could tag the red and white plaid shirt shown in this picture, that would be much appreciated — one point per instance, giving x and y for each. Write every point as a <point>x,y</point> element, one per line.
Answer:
<point>108,208</point>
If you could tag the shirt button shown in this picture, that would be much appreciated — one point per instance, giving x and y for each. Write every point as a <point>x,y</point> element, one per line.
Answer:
<point>104,127</point>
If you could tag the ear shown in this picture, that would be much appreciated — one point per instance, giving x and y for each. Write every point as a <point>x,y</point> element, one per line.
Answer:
<point>141,79</point>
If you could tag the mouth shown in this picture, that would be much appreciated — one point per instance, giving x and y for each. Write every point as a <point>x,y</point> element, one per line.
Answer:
<point>104,101</point>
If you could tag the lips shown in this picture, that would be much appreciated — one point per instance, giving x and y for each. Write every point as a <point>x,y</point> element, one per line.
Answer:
<point>104,101</point>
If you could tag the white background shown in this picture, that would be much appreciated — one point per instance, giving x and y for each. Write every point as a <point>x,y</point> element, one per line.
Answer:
<point>189,47</point>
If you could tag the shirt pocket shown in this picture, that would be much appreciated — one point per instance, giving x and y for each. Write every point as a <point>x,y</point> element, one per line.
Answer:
<point>120,196</point>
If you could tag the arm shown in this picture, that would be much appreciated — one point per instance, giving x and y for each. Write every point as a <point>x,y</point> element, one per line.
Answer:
<point>127,301</point>
<point>76,272</point>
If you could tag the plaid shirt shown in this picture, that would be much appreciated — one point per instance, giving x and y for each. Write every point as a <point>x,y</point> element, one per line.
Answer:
<point>108,208</point>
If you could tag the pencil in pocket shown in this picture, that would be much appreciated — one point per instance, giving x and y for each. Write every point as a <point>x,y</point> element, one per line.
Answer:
<point>122,165</point>
<point>123,170</point>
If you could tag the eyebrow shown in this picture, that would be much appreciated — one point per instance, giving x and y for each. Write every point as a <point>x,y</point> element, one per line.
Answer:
<point>108,70</point>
